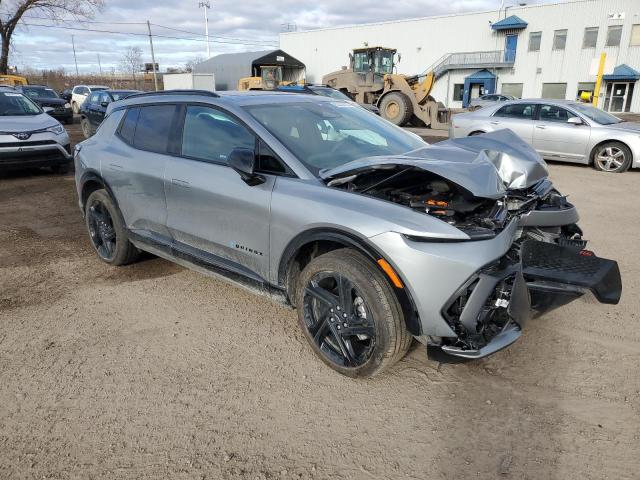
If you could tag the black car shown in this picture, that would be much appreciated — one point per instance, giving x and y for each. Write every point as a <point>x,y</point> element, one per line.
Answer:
<point>325,91</point>
<point>94,108</point>
<point>44,96</point>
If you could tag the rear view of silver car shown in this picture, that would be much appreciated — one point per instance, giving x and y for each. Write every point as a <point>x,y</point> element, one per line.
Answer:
<point>29,137</point>
<point>560,130</point>
<point>375,237</point>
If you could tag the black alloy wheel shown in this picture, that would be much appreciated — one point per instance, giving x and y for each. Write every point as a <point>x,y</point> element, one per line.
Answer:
<point>338,320</point>
<point>102,230</point>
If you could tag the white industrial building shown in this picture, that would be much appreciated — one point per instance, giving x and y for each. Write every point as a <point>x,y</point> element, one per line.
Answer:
<point>544,51</point>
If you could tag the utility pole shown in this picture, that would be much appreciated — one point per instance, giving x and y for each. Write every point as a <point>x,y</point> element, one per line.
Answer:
<point>99,65</point>
<point>153,58</point>
<point>73,44</point>
<point>206,6</point>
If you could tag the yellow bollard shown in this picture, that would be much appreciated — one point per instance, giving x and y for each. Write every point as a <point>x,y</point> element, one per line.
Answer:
<point>596,92</point>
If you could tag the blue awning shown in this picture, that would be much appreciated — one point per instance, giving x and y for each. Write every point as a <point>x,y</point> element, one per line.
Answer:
<point>480,75</point>
<point>510,23</point>
<point>622,73</point>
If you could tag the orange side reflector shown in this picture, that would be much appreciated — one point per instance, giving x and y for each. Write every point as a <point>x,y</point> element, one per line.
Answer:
<point>390,273</point>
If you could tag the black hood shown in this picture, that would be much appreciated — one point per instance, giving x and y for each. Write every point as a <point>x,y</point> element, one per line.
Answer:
<point>48,102</point>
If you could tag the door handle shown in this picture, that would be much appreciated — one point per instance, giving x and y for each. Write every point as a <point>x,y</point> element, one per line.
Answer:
<point>541,127</point>
<point>494,123</point>
<point>115,166</point>
<point>180,183</point>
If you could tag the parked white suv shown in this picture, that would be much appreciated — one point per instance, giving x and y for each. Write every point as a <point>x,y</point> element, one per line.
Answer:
<point>80,93</point>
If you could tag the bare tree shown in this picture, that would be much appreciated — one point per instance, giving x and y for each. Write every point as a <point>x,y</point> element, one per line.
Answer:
<point>13,10</point>
<point>188,67</point>
<point>131,62</point>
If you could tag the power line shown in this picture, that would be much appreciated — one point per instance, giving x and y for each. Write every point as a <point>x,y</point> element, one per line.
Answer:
<point>142,34</point>
<point>225,37</point>
<point>200,34</point>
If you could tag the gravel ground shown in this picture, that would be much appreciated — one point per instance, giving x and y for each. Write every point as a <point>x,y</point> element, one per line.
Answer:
<point>154,371</point>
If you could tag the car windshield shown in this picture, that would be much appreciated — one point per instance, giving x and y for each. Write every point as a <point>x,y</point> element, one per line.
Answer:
<point>329,92</point>
<point>39,92</point>
<point>595,114</point>
<point>329,134</point>
<point>13,104</point>
<point>120,95</point>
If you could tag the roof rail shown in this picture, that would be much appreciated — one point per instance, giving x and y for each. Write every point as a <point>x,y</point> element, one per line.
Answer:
<point>206,93</point>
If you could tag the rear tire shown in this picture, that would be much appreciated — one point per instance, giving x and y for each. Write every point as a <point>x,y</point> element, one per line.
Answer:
<point>397,108</point>
<point>107,231</point>
<point>350,315</point>
<point>612,157</point>
<point>86,127</point>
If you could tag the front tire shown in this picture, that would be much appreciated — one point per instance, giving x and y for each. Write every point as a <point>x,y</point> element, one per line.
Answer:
<point>397,108</point>
<point>107,230</point>
<point>612,157</point>
<point>350,315</point>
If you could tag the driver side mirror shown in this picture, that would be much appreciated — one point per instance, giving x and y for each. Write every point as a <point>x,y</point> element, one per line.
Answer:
<point>243,161</point>
<point>575,121</point>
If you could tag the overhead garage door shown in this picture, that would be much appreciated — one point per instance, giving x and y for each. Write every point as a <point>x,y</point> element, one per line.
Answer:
<point>554,90</point>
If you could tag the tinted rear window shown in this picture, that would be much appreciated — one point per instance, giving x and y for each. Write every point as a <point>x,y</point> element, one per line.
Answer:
<point>154,128</point>
<point>128,127</point>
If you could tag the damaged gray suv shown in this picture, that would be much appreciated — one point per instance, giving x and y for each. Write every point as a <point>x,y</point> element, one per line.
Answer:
<point>375,237</point>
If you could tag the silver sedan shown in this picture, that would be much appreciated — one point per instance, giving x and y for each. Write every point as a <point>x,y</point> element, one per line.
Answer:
<point>560,130</point>
<point>489,100</point>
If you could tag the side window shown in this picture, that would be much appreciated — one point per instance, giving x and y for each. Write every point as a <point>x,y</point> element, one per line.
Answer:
<point>94,98</point>
<point>154,128</point>
<point>104,97</point>
<point>75,90</point>
<point>523,111</point>
<point>551,113</point>
<point>128,125</point>
<point>211,135</point>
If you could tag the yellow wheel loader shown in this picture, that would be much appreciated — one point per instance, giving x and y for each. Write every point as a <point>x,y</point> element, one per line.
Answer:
<point>401,99</point>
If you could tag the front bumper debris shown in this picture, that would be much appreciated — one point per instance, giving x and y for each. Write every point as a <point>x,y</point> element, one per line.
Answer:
<point>489,312</point>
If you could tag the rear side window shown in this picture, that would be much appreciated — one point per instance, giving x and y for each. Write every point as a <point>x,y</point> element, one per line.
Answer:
<point>523,111</point>
<point>211,135</point>
<point>128,125</point>
<point>551,113</point>
<point>154,128</point>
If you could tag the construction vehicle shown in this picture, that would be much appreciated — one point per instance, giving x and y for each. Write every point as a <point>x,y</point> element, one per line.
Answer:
<point>13,80</point>
<point>270,78</point>
<point>371,79</point>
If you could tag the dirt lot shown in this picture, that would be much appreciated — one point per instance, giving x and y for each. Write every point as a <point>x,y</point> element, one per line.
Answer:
<point>154,371</point>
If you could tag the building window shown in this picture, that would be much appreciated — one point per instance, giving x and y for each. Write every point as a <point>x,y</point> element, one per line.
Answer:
<point>635,36</point>
<point>554,90</point>
<point>590,37</point>
<point>614,33</point>
<point>586,88</point>
<point>514,89</point>
<point>534,41</point>
<point>458,92</point>
<point>559,39</point>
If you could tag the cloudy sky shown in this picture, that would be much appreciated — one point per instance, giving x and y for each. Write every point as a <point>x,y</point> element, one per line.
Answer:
<point>233,25</point>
